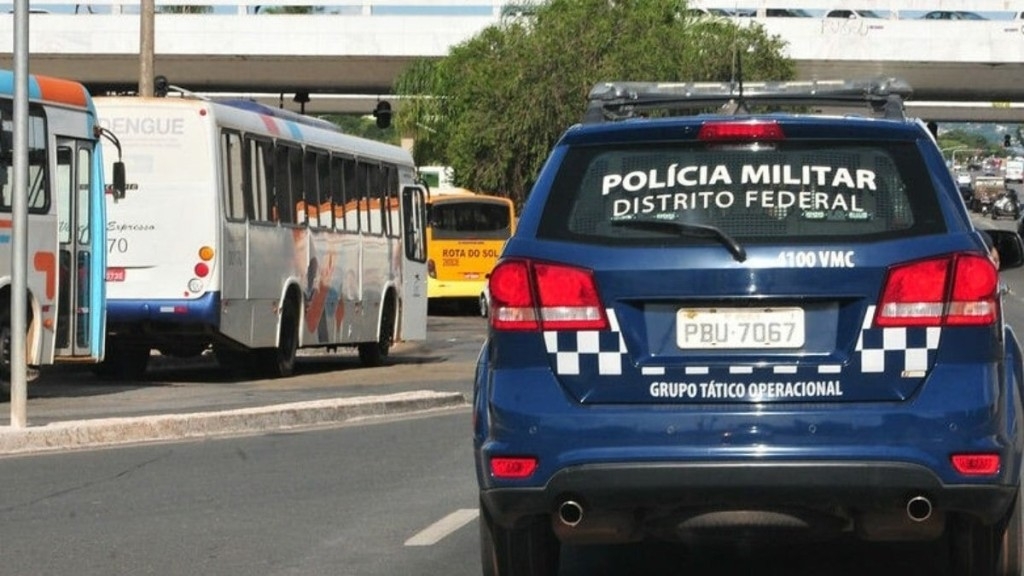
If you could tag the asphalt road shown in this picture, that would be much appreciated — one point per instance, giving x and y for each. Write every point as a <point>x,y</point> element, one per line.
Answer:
<point>382,497</point>
<point>395,494</point>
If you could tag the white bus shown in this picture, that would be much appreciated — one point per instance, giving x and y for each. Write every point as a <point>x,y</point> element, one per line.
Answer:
<point>66,225</point>
<point>257,232</point>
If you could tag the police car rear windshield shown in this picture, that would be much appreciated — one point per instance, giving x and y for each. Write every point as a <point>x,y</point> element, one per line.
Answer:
<point>793,190</point>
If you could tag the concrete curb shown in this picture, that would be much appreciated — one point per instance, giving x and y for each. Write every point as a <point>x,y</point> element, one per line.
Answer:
<point>113,431</point>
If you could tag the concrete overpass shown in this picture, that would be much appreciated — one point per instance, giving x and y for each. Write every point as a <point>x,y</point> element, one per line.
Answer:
<point>347,55</point>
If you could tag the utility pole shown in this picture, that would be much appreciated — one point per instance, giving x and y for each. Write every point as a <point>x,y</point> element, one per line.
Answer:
<point>19,228</point>
<point>146,44</point>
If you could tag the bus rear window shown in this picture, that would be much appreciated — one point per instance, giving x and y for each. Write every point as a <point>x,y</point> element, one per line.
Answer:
<point>469,220</point>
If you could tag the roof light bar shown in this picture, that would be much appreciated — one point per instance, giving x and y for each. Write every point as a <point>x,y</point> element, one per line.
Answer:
<point>610,101</point>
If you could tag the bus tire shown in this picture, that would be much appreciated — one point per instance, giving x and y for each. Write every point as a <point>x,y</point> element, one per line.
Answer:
<point>279,362</point>
<point>376,353</point>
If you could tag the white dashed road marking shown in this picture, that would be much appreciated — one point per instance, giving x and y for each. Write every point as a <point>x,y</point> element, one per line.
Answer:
<point>438,530</point>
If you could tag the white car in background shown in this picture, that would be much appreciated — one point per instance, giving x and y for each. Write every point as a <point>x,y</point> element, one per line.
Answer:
<point>1014,170</point>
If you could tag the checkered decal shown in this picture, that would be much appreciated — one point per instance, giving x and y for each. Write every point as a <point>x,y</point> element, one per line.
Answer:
<point>908,352</point>
<point>906,349</point>
<point>591,351</point>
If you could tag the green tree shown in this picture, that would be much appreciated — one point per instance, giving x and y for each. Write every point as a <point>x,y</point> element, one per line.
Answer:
<point>364,126</point>
<point>184,9</point>
<point>494,106</point>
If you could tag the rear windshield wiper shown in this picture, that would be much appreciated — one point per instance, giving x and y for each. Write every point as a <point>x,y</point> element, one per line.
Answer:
<point>687,229</point>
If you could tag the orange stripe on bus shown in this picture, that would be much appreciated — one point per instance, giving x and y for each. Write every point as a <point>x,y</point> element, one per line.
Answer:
<point>60,90</point>
<point>6,223</point>
<point>46,262</point>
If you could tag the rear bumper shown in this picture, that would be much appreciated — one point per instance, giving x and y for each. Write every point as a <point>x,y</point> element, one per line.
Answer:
<point>439,289</point>
<point>202,311</point>
<point>657,488</point>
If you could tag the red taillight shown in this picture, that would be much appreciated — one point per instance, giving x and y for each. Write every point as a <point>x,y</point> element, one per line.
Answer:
<point>975,285</point>
<point>958,289</point>
<point>201,270</point>
<point>745,131</point>
<point>976,464</point>
<point>537,295</point>
<point>513,467</point>
<point>512,297</point>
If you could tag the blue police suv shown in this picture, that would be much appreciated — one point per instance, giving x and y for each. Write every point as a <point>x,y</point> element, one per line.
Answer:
<point>719,319</point>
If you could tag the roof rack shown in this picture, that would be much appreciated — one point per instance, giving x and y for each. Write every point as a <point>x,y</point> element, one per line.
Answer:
<point>611,101</point>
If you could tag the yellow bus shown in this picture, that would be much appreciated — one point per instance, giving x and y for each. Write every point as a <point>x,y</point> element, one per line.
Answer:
<point>465,234</point>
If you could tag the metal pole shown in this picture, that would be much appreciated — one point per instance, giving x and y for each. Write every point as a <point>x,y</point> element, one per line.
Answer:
<point>146,47</point>
<point>19,213</point>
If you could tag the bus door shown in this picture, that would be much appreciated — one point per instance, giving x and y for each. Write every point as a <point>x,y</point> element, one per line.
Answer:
<point>414,263</point>
<point>80,267</point>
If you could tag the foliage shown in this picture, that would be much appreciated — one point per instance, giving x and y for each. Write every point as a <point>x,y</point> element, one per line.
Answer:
<point>364,127</point>
<point>494,106</point>
<point>970,143</point>
<point>184,9</point>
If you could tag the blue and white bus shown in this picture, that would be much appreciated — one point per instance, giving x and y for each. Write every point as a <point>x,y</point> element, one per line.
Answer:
<point>257,232</point>
<point>66,237</point>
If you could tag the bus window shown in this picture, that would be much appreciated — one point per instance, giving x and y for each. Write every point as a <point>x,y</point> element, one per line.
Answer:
<point>391,213</point>
<point>38,195</point>
<point>233,186</point>
<point>364,190</point>
<point>260,179</point>
<point>283,206</point>
<point>470,220</point>
<point>338,191</point>
<point>324,211</point>
<point>296,182</point>
<point>308,206</point>
<point>351,205</point>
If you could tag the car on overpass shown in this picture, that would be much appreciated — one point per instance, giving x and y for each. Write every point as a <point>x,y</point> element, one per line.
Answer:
<point>952,15</point>
<point>852,14</point>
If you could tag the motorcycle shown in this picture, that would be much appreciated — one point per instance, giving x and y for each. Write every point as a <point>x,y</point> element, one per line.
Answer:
<point>1006,205</point>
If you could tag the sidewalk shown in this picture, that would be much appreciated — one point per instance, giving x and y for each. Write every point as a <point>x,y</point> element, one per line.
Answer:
<point>100,432</point>
<point>69,408</point>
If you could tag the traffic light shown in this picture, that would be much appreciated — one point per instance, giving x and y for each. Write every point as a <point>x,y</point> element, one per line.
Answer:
<point>160,86</point>
<point>1006,140</point>
<point>383,114</point>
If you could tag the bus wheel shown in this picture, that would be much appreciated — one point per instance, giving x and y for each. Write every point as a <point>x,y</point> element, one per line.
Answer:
<point>376,353</point>
<point>280,362</point>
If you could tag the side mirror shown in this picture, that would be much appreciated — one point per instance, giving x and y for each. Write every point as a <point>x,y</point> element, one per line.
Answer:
<point>120,184</point>
<point>1010,247</point>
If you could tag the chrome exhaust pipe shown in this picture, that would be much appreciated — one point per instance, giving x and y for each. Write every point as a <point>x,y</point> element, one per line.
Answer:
<point>570,513</point>
<point>919,508</point>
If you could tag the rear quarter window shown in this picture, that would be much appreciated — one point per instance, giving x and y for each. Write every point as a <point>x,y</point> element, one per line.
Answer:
<point>795,191</point>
